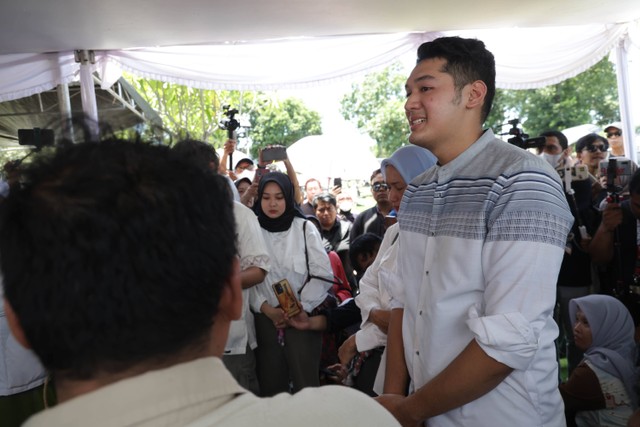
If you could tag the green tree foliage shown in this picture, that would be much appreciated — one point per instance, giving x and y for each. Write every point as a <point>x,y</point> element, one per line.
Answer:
<point>196,113</point>
<point>189,112</point>
<point>282,123</point>
<point>590,97</point>
<point>376,106</point>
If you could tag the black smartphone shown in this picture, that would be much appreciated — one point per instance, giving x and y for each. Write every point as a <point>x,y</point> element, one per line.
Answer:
<point>337,182</point>
<point>36,137</point>
<point>271,154</point>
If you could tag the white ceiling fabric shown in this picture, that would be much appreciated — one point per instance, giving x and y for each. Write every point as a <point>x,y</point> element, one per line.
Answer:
<point>525,58</point>
<point>24,75</point>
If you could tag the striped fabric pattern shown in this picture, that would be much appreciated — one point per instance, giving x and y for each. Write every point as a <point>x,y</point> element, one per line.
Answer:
<point>509,203</point>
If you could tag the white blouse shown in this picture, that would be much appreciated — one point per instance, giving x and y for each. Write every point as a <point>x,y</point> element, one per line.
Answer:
<point>287,253</point>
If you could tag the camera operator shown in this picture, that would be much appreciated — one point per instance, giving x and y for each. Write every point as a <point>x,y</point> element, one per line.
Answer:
<point>556,149</point>
<point>616,244</point>
<point>574,279</point>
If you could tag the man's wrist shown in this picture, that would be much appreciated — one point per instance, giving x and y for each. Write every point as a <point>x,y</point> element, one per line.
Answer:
<point>410,406</point>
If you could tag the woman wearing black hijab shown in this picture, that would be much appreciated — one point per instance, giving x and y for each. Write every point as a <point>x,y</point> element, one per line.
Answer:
<point>286,355</point>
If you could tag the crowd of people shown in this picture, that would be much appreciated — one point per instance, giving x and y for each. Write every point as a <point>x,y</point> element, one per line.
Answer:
<point>151,285</point>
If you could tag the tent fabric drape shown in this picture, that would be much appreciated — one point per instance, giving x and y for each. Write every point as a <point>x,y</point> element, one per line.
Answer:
<point>526,58</point>
<point>275,64</point>
<point>23,75</point>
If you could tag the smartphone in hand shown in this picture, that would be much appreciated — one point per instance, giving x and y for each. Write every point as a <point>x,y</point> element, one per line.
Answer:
<point>287,299</point>
<point>260,172</point>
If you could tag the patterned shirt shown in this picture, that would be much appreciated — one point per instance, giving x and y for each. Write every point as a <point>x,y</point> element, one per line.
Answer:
<point>480,248</point>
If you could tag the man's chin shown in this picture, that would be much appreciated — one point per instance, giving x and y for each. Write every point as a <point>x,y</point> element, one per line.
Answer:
<point>419,140</point>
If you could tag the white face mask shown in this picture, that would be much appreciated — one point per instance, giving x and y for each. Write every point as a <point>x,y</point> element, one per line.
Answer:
<point>346,206</point>
<point>552,159</point>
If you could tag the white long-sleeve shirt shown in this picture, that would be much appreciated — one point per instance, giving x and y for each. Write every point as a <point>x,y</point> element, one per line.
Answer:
<point>373,295</point>
<point>480,247</point>
<point>253,253</point>
<point>287,253</point>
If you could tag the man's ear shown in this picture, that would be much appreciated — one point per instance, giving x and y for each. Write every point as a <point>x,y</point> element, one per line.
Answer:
<point>230,305</point>
<point>476,95</point>
<point>14,325</point>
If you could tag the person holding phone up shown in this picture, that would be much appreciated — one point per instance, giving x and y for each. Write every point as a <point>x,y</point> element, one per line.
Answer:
<point>286,354</point>
<point>269,155</point>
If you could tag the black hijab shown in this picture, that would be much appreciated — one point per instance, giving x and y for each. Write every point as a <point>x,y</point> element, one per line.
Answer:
<point>283,222</point>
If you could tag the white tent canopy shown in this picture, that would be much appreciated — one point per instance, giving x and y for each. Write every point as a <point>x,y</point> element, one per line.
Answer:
<point>527,58</point>
<point>249,45</point>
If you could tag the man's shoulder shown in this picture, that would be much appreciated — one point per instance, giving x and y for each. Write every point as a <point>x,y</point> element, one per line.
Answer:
<point>317,406</point>
<point>372,210</point>
<point>240,211</point>
<point>344,225</point>
<point>515,159</point>
<point>367,213</point>
<point>307,208</point>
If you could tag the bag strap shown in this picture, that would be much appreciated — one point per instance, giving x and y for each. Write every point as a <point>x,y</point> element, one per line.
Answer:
<point>336,280</point>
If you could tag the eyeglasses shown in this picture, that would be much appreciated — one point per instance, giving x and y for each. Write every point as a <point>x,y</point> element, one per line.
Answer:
<point>594,148</point>
<point>612,134</point>
<point>380,186</point>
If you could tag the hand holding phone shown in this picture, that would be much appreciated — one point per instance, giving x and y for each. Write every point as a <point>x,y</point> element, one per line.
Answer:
<point>260,172</point>
<point>287,299</point>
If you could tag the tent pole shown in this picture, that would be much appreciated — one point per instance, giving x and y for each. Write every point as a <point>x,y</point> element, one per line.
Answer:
<point>87,90</point>
<point>626,102</point>
<point>65,110</point>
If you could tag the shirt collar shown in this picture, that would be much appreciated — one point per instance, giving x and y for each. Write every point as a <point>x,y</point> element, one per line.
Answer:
<point>467,157</point>
<point>203,382</point>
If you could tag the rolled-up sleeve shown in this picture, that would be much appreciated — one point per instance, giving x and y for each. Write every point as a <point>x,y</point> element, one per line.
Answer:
<point>521,259</point>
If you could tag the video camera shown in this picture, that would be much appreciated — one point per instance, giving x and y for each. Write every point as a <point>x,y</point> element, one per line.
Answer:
<point>229,123</point>
<point>521,139</point>
<point>618,172</point>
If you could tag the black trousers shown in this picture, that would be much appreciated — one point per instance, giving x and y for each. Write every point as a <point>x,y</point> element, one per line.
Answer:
<point>296,363</point>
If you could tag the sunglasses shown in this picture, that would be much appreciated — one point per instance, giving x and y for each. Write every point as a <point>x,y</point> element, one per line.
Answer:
<point>594,148</point>
<point>612,134</point>
<point>380,186</point>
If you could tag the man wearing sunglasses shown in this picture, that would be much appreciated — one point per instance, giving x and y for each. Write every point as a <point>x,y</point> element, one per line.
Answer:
<point>372,219</point>
<point>615,139</point>
<point>591,149</point>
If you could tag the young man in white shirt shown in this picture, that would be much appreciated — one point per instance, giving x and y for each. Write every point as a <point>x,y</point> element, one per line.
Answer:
<point>481,241</point>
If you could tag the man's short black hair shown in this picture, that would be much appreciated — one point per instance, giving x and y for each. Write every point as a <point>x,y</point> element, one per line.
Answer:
<point>562,139</point>
<point>197,152</point>
<point>114,254</point>
<point>468,60</point>
<point>364,244</point>
<point>588,140</point>
<point>325,197</point>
